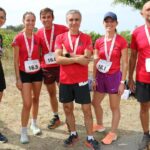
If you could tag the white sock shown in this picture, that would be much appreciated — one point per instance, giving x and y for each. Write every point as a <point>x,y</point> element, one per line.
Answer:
<point>55,113</point>
<point>33,122</point>
<point>73,133</point>
<point>90,137</point>
<point>24,130</point>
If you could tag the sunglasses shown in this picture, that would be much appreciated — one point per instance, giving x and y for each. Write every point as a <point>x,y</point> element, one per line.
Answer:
<point>76,19</point>
<point>2,17</point>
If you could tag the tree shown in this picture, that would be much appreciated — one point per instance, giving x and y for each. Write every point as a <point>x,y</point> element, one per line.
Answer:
<point>137,4</point>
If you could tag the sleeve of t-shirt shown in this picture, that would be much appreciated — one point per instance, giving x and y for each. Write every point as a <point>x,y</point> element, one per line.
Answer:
<point>133,44</point>
<point>58,42</point>
<point>16,41</point>
<point>124,44</point>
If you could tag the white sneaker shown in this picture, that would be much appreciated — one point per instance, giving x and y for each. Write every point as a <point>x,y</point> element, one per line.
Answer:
<point>24,138</point>
<point>35,130</point>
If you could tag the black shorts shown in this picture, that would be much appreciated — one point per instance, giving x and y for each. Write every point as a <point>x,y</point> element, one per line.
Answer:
<point>51,75</point>
<point>142,92</point>
<point>29,78</point>
<point>71,92</point>
<point>2,78</point>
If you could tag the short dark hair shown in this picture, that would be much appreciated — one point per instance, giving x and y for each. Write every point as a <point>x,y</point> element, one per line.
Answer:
<point>46,10</point>
<point>3,10</point>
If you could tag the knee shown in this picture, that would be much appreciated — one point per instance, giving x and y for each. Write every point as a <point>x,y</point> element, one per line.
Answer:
<point>144,108</point>
<point>27,106</point>
<point>115,108</point>
<point>68,110</point>
<point>95,103</point>
<point>35,100</point>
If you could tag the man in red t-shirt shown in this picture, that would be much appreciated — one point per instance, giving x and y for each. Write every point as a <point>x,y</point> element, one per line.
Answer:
<point>73,50</point>
<point>47,36</point>
<point>140,57</point>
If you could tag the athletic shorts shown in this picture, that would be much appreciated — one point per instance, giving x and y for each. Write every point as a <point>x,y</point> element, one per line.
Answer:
<point>71,92</point>
<point>51,75</point>
<point>2,78</point>
<point>108,83</point>
<point>142,92</point>
<point>29,78</point>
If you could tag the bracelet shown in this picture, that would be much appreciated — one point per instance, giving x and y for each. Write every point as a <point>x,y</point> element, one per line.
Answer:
<point>94,80</point>
<point>122,81</point>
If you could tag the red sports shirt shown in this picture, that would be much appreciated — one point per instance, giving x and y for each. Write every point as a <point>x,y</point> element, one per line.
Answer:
<point>23,54</point>
<point>119,45</point>
<point>74,73</point>
<point>139,42</point>
<point>58,29</point>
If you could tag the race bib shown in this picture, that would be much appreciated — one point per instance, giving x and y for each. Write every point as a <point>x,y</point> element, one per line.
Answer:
<point>32,66</point>
<point>50,58</point>
<point>103,65</point>
<point>147,64</point>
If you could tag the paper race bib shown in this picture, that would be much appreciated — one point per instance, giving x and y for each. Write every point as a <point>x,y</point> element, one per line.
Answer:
<point>147,64</point>
<point>103,65</point>
<point>32,66</point>
<point>50,58</point>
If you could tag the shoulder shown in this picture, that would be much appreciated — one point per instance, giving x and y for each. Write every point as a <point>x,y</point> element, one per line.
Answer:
<point>39,31</point>
<point>60,27</point>
<point>137,30</point>
<point>121,38</point>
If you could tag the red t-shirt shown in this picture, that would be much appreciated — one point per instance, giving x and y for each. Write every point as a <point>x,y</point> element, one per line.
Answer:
<point>119,45</point>
<point>139,42</point>
<point>74,73</point>
<point>23,54</point>
<point>58,29</point>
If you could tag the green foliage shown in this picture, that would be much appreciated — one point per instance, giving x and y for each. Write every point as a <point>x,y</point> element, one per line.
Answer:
<point>137,4</point>
<point>94,36</point>
<point>15,28</point>
<point>8,36</point>
<point>126,35</point>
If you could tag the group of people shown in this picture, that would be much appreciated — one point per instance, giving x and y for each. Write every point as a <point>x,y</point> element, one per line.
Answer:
<point>59,55</point>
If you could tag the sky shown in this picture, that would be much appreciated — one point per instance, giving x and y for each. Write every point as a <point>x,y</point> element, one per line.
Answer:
<point>92,13</point>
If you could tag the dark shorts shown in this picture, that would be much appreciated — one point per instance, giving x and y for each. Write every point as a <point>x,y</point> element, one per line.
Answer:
<point>71,92</point>
<point>142,92</point>
<point>51,75</point>
<point>108,83</point>
<point>2,78</point>
<point>29,78</point>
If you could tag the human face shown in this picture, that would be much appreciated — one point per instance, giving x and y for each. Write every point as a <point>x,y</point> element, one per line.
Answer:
<point>29,22</point>
<point>74,21</point>
<point>110,25</point>
<point>146,12</point>
<point>2,18</point>
<point>47,19</point>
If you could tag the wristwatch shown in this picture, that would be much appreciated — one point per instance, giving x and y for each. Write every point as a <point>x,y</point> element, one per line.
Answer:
<point>67,55</point>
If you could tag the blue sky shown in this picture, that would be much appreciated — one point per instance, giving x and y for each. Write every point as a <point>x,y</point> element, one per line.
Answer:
<point>92,12</point>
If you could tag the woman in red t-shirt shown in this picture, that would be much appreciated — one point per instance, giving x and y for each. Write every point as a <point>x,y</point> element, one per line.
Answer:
<point>107,75</point>
<point>28,73</point>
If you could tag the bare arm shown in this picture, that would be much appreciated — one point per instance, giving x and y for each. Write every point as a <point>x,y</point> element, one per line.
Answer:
<point>60,59</point>
<point>124,63</point>
<point>79,59</point>
<point>96,58</point>
<point>124,54</point>
<point>132,64</point>
<point>16,66</point>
